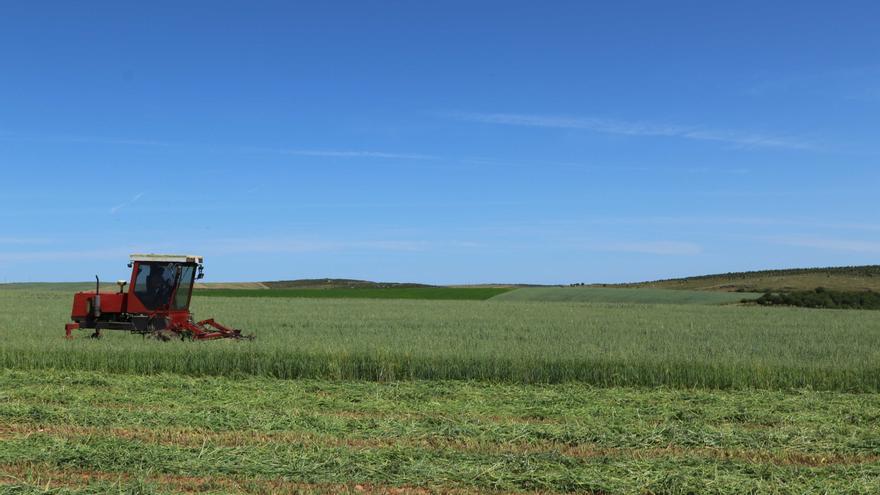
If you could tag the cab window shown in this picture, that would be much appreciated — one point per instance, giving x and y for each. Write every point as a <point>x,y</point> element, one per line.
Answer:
<point>184,287</point>
<point>154,284</point>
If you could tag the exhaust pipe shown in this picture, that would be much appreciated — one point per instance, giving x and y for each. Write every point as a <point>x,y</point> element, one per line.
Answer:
<point>96,303</point>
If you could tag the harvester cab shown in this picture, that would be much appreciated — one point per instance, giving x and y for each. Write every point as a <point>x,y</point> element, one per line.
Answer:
<point>156,304</point>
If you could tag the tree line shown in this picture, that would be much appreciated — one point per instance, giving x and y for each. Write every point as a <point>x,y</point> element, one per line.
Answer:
<point>822,298</point>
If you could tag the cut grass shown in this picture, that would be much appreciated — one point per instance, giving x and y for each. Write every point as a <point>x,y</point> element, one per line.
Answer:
<point>634,296</point>
<point>430,293</point>
<point>169,433</point>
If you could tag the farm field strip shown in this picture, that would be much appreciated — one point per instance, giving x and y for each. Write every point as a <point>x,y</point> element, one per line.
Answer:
<point>522,342</point>
<point>622,295</point>
<point>534,294</point>
<point>427,293</point>
<point>463,435</point>
<point>187,438</point>
<point>439,468</point>
<point>462,412</point>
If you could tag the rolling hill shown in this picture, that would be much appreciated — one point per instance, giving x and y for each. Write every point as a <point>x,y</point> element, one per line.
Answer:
<point>844,278</point>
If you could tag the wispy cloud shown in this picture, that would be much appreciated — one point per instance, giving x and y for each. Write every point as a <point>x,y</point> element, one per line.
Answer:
<point>629,128</point>
<point>23,240</point>
<point>281,245</point>
<point>848,83</point>
<point>830,244</point>
<point>290,245</point>
<point>237,246</point>
<point>664,248</point>
<point>64,255</point>
<point>251,245</point>
<point>493,162</point>
<point>744,221</point>
<point>356,154</point>
<point>127,203</point>
<point>56,138</point>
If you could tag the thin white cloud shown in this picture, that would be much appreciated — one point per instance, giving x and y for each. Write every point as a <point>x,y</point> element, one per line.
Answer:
<point>280,245</point>
<point>64,255</point>
<point>127,203</point>
<point>745,221</point>
<point>24,240</point>
<point>51,138</point>
<point>273,245</point>
<point>847,83</point>
<point>614,168</point>
<point>223,246</point>
<point>356,154</point>
<point>102,140</point>
<point>664,248</point>
<point>829,244</point>
<point>627,128</point>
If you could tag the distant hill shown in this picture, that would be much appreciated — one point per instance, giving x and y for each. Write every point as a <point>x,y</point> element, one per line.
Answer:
<point>844,278</point>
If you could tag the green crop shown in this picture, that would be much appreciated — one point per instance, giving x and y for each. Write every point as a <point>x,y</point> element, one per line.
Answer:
<point>621,295</point>
<point>524,342</point>
<point>436,293</point>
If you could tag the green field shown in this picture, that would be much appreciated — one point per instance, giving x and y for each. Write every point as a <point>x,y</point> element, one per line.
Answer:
<point>436,293</point>
<point>540,294</point>
<point>339,283</point>
<point>537,294</point>
<point>449,396</point>
<point>373,339</point>
<point>173,434</point>
<point>634,296</point>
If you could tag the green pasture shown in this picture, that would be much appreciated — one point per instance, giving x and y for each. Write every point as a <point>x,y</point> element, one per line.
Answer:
<point>620,295</point>
<point>603,344</point>
<point>436,293</point>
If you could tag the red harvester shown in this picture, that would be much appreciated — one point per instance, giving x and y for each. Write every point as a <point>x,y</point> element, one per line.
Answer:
<point>156,304</point>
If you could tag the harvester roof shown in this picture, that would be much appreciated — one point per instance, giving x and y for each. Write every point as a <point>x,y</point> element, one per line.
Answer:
<point>168,258</point>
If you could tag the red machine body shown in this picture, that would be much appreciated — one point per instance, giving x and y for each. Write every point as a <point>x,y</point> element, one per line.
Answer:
<point>156,304</point>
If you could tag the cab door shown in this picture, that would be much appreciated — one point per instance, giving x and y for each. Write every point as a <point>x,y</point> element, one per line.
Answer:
<point>153,286</point>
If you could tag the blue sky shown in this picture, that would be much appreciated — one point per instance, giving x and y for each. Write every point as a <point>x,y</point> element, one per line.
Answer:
<point>444,142</point>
